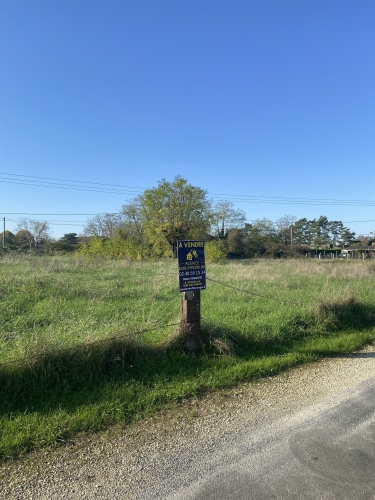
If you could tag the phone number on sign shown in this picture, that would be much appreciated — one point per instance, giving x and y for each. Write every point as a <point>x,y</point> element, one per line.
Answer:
<point>193,273</point>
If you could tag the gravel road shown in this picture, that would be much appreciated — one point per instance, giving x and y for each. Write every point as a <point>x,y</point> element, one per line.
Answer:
<point>167,453</point>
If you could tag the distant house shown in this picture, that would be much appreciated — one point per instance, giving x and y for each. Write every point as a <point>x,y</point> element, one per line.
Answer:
<point>348,251</point>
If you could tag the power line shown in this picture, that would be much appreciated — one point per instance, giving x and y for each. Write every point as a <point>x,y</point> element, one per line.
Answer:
<point>116,213</point>
<point>124,190</point>
<point>352,221</point>
<point>27,213</point>
<point>69,180</point>
<point>66,187</point>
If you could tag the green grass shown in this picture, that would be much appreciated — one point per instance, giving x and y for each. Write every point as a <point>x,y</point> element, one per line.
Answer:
<point>68,364</point>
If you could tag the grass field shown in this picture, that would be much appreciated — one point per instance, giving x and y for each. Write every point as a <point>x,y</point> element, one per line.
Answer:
<point>85,344</point>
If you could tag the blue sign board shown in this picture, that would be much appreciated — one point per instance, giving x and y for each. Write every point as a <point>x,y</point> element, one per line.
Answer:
<point>191,265</point>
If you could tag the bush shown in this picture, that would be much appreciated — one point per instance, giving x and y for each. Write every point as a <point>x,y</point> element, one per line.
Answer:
<point>215,250</point>
<point>101,247</point>
<point>60,247</point>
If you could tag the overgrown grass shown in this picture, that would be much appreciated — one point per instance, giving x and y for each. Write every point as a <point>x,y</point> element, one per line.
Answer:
<point>68,363</point>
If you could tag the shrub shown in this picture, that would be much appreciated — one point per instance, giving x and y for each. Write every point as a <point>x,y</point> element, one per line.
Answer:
<point>215,250</point>
<point>101,247</point>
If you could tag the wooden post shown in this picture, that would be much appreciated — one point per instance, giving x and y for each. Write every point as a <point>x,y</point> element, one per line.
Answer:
<point>191,319</point>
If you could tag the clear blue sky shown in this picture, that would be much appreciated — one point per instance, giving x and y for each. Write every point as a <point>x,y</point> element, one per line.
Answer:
<point>271,98</point>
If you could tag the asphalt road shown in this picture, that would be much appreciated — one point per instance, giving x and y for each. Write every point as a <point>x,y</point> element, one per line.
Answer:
<point>325,452</point>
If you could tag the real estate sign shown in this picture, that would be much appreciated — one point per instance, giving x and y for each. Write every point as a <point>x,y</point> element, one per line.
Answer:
<point>191,265</point>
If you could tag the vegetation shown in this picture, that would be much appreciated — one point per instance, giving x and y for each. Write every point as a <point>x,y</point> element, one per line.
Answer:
<point>150,225</point>
<point>174,211</point>
<point>71,360</point>
<point>156,219</point>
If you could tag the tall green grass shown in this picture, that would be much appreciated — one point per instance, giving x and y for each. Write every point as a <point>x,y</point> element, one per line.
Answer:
<point>70,361</point>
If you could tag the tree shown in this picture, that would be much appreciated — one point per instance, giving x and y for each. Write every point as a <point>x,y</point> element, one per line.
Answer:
<point>9,240</point>
<point>24,240</point>
<point>320,231</point>
<point>132,226</point>
<point>174,211</point>
<point>364,239</point>
<point>335,229</point>
<point>33,231</point>
<point>285,228</point>
<point>236,243</point>
<point>103,225</point>
<point>225,216</point>
<point>70,238</point>
<point>259,237</point>
<point>265,228</point>
<point>346,236</point>
<point>340,235</point>
<point>302,232</point>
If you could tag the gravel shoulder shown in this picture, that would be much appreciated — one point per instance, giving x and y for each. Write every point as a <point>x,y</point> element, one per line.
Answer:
<point>153,458</point>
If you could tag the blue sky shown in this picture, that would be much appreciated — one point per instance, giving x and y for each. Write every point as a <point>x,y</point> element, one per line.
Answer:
<point>260,99</point>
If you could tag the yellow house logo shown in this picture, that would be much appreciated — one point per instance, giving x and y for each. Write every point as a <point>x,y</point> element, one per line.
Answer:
<point>191,254</point>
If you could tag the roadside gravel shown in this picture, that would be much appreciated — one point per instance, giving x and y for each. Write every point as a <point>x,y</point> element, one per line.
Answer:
<point>153,458</point>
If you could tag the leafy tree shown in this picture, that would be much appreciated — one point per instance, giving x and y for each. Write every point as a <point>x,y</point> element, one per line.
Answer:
<point>24,240</point>
<point>173,211</point>
<point>225,216</point>
<point>70,238</point>
<point>9,240</point>
<point>132,225</point>
<point>236,243</point>
<point>253,240</point>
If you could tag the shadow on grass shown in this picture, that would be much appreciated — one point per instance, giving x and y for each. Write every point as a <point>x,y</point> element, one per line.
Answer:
<point>75,377</point>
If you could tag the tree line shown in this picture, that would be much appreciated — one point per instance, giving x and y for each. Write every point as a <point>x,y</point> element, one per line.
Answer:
<point>151,224</point>
<point>158,218</point>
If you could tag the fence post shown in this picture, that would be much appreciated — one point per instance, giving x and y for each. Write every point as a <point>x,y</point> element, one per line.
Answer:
<point>191,319</point>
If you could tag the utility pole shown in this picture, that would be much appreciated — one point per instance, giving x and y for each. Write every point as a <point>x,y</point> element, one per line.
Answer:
<point>4,234</point>
<point>291,236</point>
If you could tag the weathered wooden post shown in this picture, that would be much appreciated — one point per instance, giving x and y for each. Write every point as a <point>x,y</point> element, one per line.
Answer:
<point>192,279</point>
<point>191,319</point>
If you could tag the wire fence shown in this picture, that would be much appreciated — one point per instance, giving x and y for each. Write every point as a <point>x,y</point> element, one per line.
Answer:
<point>39,282</point>
<point>249,292</point>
